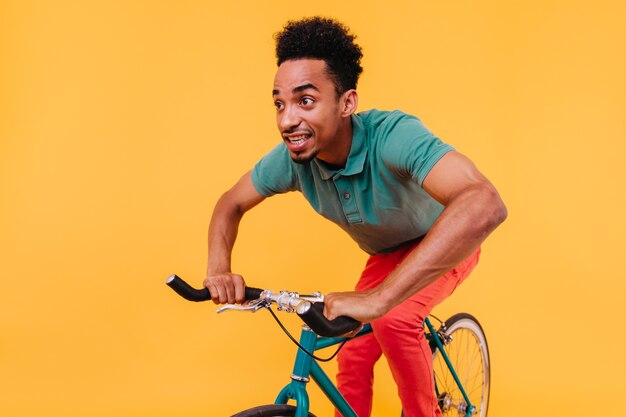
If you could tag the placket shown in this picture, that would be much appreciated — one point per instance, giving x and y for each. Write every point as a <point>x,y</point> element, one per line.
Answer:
<point>345,191</point>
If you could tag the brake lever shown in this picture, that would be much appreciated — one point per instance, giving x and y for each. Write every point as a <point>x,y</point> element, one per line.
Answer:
<point>253,306</point>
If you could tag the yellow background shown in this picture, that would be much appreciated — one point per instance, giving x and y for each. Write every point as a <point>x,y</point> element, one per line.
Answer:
<point>122,122</point>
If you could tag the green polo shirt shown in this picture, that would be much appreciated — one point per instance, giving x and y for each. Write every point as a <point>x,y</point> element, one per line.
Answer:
<point>377,198</point>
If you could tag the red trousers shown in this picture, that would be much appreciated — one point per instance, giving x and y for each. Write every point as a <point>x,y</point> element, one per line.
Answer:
<point>400,336</point>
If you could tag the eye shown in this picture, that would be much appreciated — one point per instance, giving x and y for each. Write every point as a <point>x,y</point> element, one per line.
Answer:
<point>305,101</point>
<point>278,105</point>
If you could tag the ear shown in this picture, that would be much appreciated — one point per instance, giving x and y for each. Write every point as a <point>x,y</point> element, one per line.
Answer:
<point>349,102</point>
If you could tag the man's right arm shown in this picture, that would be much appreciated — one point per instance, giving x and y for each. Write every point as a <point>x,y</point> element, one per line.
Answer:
<point>226,287</point>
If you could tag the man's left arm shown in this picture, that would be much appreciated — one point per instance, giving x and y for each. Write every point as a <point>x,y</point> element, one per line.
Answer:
<point>473,209</point>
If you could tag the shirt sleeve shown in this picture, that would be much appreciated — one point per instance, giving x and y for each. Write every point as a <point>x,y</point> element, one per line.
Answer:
<point>274,173</point>
<point>410,149</point>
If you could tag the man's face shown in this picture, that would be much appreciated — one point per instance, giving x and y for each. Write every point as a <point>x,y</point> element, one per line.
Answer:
<point>307,109</point>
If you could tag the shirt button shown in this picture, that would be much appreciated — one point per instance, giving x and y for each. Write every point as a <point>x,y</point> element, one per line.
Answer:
<point>346,196</point>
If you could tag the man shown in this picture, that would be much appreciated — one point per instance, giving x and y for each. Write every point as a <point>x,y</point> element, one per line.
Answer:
<point>419,208</point>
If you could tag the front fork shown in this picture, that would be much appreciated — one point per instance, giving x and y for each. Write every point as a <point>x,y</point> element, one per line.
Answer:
<point>438,339</point>
<point>296,389</point>
<point>304,367</point>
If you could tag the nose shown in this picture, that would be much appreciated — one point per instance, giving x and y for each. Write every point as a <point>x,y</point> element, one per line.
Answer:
<point>288,119</point>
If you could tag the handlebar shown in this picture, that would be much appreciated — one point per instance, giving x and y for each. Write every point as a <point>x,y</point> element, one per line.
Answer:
<point>192,294</point>
<point>311,313</point>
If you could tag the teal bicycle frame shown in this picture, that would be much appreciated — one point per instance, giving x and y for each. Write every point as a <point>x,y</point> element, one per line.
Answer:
<point>306,367</point>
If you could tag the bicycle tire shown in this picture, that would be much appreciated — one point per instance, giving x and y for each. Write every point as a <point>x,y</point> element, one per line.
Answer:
<point>468,351</point>
<point>270,410</point>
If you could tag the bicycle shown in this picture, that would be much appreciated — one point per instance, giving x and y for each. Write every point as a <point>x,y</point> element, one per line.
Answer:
<point>460,354</point>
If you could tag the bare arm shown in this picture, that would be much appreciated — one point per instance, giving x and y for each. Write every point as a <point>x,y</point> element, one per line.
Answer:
<point>473,209</point>
<point>230,208</point>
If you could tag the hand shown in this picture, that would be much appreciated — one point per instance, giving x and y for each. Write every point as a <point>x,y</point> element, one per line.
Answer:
<point>360,305</point>
<point>226,287</point>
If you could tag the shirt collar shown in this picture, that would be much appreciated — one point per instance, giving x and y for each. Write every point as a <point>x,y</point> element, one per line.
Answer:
<point>356,157</point>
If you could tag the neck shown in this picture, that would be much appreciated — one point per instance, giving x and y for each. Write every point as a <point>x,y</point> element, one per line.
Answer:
<point>338,155</point>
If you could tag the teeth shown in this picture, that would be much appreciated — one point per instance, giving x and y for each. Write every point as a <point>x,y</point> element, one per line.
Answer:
<point>298,139</point>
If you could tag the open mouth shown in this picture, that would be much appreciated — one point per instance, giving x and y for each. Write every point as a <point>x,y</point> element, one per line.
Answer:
<point>297,140</point>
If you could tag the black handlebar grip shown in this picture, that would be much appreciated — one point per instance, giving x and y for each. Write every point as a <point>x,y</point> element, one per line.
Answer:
<point>315,319</point>
<point>192,294</point>
<point>252,293</point>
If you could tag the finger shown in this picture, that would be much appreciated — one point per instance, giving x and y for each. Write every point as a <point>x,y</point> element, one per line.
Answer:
<point>215,295</point>
<point>329,307</point>
<point>222,294</point>
<point>355,332</point>
<point>240,289</point>
<point>229,291</point>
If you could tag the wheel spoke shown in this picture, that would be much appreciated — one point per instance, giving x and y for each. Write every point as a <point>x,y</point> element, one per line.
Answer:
<point>469,356</point>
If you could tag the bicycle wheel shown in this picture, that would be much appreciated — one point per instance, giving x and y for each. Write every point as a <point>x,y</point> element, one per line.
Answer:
<point>467,349</point>
<point>271,410</point>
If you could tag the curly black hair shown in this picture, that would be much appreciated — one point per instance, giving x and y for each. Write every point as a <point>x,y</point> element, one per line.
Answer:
<point>326,39</point>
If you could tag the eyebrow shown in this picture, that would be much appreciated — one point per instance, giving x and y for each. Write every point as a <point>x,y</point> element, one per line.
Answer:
<point>298,89</point>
